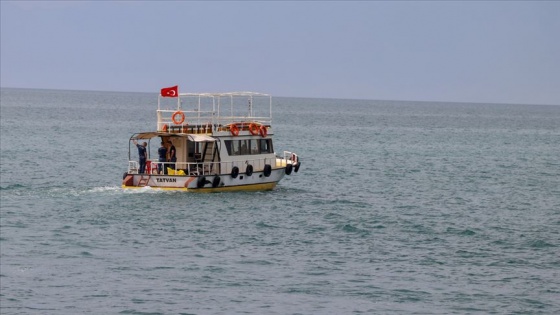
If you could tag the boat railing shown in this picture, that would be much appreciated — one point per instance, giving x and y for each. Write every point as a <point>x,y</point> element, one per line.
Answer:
<point>183,168</point>
<point>201,124</point>
<point>212,109</point>
<point>202,168</point>
<point>290,157</point>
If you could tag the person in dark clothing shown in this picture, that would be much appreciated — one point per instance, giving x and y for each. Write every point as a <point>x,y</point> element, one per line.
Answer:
<point>162,152</point>
<point>142,155</point>
<point>172,155</point>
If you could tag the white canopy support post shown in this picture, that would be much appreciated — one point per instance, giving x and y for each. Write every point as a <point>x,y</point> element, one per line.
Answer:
<point>250,100</point>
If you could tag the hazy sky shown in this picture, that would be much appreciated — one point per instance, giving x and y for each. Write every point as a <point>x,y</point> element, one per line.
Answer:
<point>466,51</point>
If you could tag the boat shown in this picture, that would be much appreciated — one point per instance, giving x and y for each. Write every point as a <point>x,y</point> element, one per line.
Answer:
<point>222,142</point>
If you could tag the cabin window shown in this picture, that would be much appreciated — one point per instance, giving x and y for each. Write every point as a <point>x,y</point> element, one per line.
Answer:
<point>249,147</point>
<point>244,147</point>
<point>235,148</point>
<point>254,147</point>
<point>265,146</point>
<point>190,148</point>
<point>228,147</point>
<point>194,148</point>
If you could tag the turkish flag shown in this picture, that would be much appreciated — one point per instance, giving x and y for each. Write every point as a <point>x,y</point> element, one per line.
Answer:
<point>170,91</point>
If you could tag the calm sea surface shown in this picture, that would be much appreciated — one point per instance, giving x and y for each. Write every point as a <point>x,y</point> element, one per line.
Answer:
<point>398,208</point>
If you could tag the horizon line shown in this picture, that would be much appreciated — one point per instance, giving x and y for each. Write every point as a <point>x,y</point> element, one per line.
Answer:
<point>306,97</point>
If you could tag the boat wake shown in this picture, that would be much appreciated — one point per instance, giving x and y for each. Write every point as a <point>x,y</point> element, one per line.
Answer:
<point>119,190</point>
<point>61,191</point>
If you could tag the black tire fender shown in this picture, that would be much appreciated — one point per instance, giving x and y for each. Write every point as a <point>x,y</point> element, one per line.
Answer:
<point>234,172</point>
<point>267,170</point>
<point>216,181</point>
<point>201,181</point>
<point>289,168</point>
<point>249,170</point>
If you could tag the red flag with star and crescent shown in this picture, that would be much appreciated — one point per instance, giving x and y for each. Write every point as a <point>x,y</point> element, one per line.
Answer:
<point>170,91</point>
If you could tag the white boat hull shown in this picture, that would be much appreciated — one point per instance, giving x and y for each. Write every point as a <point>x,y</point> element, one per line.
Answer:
<point>205,183</point>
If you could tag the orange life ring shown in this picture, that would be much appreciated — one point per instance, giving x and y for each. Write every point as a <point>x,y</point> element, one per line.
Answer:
<point>234,130</point>
<point>263,131</point>
<point>165,127</point>
<point>254,129</point>
<point>181,115</point>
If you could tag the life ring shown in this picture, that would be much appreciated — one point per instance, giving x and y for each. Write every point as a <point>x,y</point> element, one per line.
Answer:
<point>263,131</point>
<point>181,119</point>
<point>165,127</point>
<point>254,129</point>
<point>234,130</point>
<point>267,170</point>
<point>249,170</point>
<point>234,172</point>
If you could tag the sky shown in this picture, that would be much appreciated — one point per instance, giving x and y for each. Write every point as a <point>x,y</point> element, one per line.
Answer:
<point>448,51</point>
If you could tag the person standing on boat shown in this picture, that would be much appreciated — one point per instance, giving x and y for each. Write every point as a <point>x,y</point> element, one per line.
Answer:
<point>162,152</point>
<point>172,155</point>
<point>142,155</point>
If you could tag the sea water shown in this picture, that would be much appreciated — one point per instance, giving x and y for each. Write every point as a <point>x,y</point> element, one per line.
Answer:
<point>398,208</point>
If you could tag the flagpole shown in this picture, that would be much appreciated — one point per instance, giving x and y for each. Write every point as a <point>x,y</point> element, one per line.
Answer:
<point>178,99</point>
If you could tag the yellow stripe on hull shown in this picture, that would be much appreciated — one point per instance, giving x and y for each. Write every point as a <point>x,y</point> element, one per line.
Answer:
<point>252,187</point>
